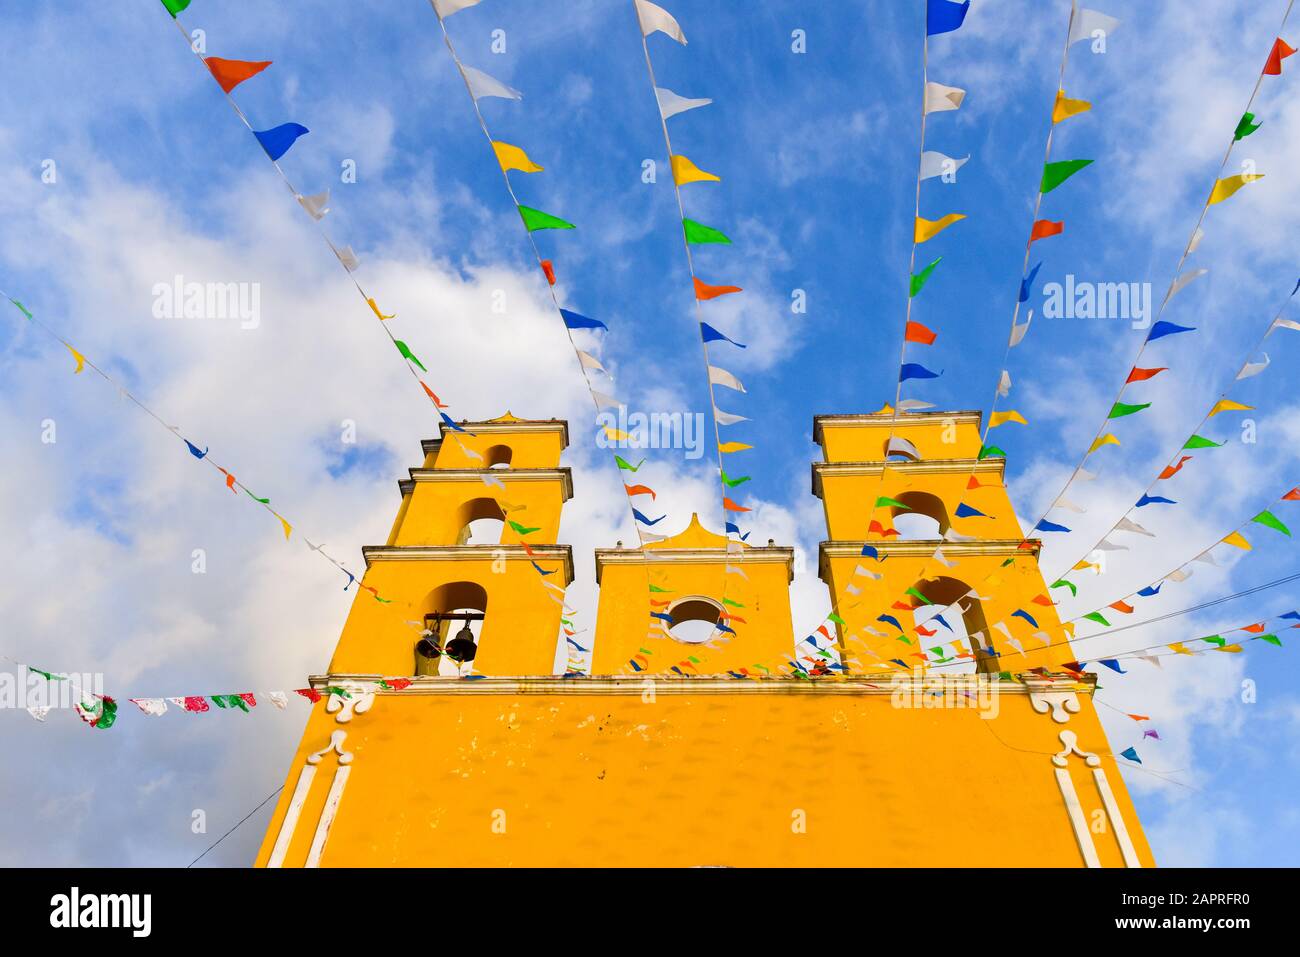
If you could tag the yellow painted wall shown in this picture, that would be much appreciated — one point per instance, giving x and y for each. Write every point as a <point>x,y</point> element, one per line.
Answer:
<point>700,779</point>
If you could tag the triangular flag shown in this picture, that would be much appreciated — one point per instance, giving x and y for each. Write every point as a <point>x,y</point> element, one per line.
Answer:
<point>670,104</point>
<point>937,164</point>
<point>1226,187</point>
<point>512,157</point>
<point>1066,107</point>
<point>277,140</point>
<point>1088,24</point>
<point>926,229</point>
<point>1054,174</point>
<point>939,98</point>
<point>684,171</point>
<point>699,233</point>
<point>705,292</point>
<point>1280,51</point>
<point>481,85</point>
<point>656,18</point>
<point>1044,228</point>
<point>230,73</point>
<point>535,219</point>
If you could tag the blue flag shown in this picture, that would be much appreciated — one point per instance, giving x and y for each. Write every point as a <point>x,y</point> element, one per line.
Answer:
<point>194,450</point>
<point>1164,328</point>
<point>713,335</point>
<point>965,511</point>
<point>277,141</point>
<point>914,370</point>
<point>574,321</point>
<point>1131,754</point>
<point>647,521</point>
<point>1046,526</point>
<point>1154,500</point>
<point>1021,613</point>
<point>1027,283</point>
<point>944,16</point>
<point>1150,591</point>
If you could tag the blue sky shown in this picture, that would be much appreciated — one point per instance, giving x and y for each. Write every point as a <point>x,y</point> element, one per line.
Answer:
<point>817,151</point>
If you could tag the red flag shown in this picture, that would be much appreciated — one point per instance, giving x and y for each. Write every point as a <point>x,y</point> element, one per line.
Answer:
<point>429,392</point>
<point>925,632</point>
<point>660,604</point>
<point>230,73</point>
<point>731,506</point>
<point>1293,495</point>
<point>903,607</point>
<point>879,529</point>
<point>920,334</point>
<point>1140,717</point>
<point>196,704</point>
<point>1141,375</point>
<point>640,490</point>
<point>397,684</point>
<point>1043,600</point>
<point>308,693</point>
<point>704,291</point>
<point>824,632</point>
<point>1044,228</point>
<point>1171,470</point>
<point>1281,50</point>
<point>528,551</point>
<point>549,270</point>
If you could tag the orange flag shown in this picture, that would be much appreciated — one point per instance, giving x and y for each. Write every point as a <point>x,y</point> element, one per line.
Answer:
<point>1171,470</point>
<point>1141,375</point>
<point>549,270</point>
<point>1044,228</point>
<point>230,73</point>
<point>1122,606</point>
<point>640,490</point>
<point>731,506</point>
<point>1281,50</point>
<point>429,392</point>
<point>704,291</point>
<point>920,334</point>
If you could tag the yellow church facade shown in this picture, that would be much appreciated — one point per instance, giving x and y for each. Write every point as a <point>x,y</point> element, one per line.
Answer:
<point>449,734</point>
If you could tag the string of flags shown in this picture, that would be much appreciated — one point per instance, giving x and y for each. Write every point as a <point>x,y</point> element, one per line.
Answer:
<point>512,158</point>
<point>1194,442</point>
<point>276,142</point>
<point>1083,26</point>
<point>651,19</point>
<point>941,17</point>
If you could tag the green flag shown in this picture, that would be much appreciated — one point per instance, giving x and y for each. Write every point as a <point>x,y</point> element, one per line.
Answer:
<point>535,219</point>
<point>733,482</point>
<point>699,233</point>
<point>45,674</point>
<point>1054,174</point>
<point>1098,617</point>
<point>1245,126</point>
<point>835,618</point>
<point>624,464</point>
<point>1199,442</point>
<point>885,501</point>
<point>916,594</point>
<point>1062,583</point>
<point>21,308</point>
<point>406,352</point>
<point>918,281</point>
<point>661,591</point>
<point>733,604</point>
<point>987,450</point>
<point>522,529</point>
<point>1272,521</point>
<point>264,501</point>
<point>175,6</point>
<point>1271,639</point>
<point>1215,640</point>
<point>1121,409</point>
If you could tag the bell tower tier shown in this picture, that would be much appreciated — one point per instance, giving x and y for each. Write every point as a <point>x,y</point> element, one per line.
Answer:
<point>470,556</point>
<point>715,607</point>
<point>917,519</point>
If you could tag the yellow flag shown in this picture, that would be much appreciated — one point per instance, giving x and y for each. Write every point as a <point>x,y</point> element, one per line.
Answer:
<point>684,171</point>
<point>375,307</point>
<point>81,360</point>
<point>726,448</point>
<point>1231,649</point>
<point>512,157</point>
<point>1179,648</point>
<point>1084,565</point>
<point>1107,439</point>
<point>1001,418</point>
<point>927,229</point>
<point>1066,107</point>
<point>1227,405</point>
<point>1226,187</point>
<point>1237,540</point>
<point>616,435</point>
<point>886,408</point>
<point>1068,628</point>
<point>288,529</point>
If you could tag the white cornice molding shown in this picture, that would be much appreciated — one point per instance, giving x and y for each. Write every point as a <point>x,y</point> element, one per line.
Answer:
<point>833,470</point>
<point>513,426</point>
<point>874,684</point>
<point>887,420</point>
<point>462,553</point>
<point>752,555</point>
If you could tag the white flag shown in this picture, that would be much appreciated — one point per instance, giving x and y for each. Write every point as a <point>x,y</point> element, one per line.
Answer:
<point>727,418</point>
<point>1280,323</point>
<point>1107,546</point>
<point>1004,384</point>
<point>1185,280</point>
<point>1179,576</point>
<point>1088,22</point>
<point>279,699</point>
<point>719,376</point>
<point>38,713</point>
<point>942,559</point>
<point>934,164</point>
<point>853,590</point>
<point>1196,240</point>
<point>1128,525</point>
<point>733,570</point>
<point>446,8</point>
<point>670,104</point>
<point>1253,368</point>
<point>590,362</point>
<point>481,85</point>
<point>150,706</point>
<point>1018,332</point>
<point>348,258</point>
<point>654,18</point>
<point>1069,506</point>
<point>605,401</point>
<point>493,480</point>
<point>914,405</point>
<point>317,206</point>
<point>897,445</point>
<point>939,98</point>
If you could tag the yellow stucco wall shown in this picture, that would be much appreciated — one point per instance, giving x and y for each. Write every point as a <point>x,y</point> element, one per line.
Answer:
<point>773,776</point>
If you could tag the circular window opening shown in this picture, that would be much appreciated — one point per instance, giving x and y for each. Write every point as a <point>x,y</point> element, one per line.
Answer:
<point>695,619</point>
